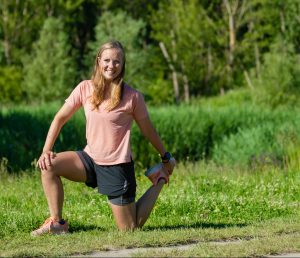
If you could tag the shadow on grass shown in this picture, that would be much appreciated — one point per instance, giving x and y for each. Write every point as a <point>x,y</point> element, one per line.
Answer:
<point>198,225</point>
<point>81,227</point>
<point>75,228</point>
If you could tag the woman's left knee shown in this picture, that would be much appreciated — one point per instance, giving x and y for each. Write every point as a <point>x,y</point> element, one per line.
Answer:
<point>128,228</point>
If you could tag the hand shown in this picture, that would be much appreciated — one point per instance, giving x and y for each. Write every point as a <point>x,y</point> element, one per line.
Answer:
<point>169,166</point>
<point>45,160</point>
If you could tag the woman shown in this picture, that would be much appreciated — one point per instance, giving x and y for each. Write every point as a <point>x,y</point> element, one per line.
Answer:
<point>110,107</point>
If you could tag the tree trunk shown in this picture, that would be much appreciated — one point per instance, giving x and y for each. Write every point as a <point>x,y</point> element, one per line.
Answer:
<point>7,51</point>
<point>209,68</point>
<point>231,27</point>
<point>5,27</point>
<point>257,60</point>
<point>172,68</point>
<point>186,86</point>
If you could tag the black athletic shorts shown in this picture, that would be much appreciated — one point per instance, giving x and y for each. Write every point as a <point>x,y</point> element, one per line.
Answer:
<point>116,181</point>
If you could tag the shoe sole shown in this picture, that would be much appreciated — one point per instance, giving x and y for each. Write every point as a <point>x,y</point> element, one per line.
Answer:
<point>156,168</point>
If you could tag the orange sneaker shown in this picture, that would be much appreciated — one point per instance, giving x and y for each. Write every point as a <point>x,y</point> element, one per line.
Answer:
<point>51,226</point>
<point>158,172</point>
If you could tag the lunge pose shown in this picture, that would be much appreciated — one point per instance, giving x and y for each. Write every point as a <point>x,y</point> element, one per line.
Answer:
<point>110,106</point>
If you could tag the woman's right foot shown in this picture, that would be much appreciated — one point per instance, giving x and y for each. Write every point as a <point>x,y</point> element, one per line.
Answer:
<point>53,227</point>
<point>158,172</point>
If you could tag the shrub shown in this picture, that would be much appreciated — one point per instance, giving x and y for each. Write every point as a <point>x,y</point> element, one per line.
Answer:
<point>49,70</point>
<point>233,134</point>
<point>279,79</point>
<point>11,89</point>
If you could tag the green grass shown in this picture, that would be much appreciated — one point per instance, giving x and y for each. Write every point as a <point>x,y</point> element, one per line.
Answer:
<point>203,203</point>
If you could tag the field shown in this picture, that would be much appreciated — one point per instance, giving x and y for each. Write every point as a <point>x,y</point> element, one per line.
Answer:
<point>256,212</point>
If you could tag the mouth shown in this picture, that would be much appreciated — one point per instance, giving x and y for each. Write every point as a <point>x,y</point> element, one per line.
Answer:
<point>109,72</point>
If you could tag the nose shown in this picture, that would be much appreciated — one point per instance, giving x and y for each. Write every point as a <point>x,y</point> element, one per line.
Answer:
<point>111,64</point>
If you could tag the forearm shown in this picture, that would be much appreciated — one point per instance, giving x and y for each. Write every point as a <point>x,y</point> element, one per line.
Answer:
<point>52,135</point>
<point>61,117</point>
<point>152,136</point>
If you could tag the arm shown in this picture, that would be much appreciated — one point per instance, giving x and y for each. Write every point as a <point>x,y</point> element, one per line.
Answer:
<point>152,136</point>
<point>61,117</point>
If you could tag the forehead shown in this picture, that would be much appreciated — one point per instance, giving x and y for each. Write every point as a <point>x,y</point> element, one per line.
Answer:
<point>112,53</point>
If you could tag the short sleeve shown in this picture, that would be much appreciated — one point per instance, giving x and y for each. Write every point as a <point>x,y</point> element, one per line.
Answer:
<point>139,107</point>
<point>75,100</point>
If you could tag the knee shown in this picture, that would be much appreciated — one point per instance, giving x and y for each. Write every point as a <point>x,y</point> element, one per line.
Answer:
<point>128,228</point>
<point>50,171</point>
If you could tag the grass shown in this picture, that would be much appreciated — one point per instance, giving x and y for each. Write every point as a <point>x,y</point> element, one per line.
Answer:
<point>258,211</point>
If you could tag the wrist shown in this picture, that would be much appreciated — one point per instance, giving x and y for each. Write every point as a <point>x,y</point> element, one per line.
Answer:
<point>166,157</point>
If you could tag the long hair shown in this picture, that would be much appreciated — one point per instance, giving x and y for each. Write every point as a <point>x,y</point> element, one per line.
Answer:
<point>99,81</point>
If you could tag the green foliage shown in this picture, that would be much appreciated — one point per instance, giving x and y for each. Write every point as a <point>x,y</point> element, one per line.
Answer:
<point>11,84</point>
<point>159,92</point>
<point>195,33</point>
<point>228,133</point>
<point>23,133</point>
<point>255,146</point>
<point>280,76</point>
<point>49,70</point>
<point>20,22</point>
<point>176,24</point>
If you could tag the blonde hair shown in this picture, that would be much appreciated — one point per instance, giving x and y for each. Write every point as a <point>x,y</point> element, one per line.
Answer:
<point>99,81</point>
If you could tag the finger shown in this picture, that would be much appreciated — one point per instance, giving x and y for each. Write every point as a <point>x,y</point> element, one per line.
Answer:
<point>40,166</point>
<point>48,161</point>
<point>44,165</point>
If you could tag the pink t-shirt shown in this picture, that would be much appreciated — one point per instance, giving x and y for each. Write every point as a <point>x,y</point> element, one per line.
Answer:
<point>108,133</point>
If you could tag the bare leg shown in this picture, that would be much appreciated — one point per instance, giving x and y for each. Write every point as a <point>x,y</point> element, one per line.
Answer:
<point>145,204</point>
<point>135,215</point>
<point>68,165</point>
<point>125,216</point>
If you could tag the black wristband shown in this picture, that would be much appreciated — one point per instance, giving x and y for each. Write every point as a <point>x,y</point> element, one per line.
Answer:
<point>166,157</point>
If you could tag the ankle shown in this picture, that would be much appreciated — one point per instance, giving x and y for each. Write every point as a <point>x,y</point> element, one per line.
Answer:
<point>56,218</point>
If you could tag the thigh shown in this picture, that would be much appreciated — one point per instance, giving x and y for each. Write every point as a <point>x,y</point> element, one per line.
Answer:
<point>69,165</point>
<point>125,216</point>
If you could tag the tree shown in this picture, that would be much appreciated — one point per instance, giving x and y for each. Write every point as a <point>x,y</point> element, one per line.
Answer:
<point>20,22</point>
<point>262,27</point>
<point>49,70</point>
<point>280,75</point>
<point>186,31</point>
<point>120,26</point>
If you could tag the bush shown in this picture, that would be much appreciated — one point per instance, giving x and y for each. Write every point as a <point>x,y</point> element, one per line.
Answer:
<point>49,70</point>
<point>232,134</point>
<point>279,80</point>
<point>11,82</point>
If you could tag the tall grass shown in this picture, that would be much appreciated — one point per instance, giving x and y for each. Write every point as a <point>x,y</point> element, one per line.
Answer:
<point>241,134</point>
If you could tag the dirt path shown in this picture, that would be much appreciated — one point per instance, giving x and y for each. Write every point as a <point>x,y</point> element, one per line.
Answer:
<point>130,252</point>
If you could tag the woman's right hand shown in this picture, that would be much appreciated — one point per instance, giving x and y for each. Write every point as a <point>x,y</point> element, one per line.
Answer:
<point>45,160</point>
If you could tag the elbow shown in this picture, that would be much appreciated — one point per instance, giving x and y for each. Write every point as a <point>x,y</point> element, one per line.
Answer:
<point>60,120</point>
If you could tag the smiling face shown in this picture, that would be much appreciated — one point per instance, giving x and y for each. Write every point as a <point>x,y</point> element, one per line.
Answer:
<point>110,63</point>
